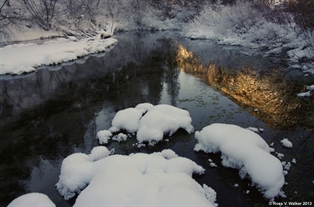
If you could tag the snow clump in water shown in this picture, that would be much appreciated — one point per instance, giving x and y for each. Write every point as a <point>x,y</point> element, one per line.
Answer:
<point>157,179</point>
<point>285,142</point>
<point>244,150</point>
<point>149,122</point>
<point>32,199</point>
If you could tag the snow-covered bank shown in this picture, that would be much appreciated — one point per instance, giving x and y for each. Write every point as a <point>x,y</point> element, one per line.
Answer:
<point>247,151</point>
<point>24,58</point>
<point>243,25</point>
<point>159,179</point>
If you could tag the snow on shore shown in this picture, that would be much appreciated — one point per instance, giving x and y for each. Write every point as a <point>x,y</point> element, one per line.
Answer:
<point>242,25</point>
<point>158,179</point>
<point>244,150</point>
<point>150,122</point>
<point>21,58</point>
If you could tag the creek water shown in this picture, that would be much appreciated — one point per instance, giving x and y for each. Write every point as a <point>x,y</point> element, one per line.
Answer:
<point>57,111</point>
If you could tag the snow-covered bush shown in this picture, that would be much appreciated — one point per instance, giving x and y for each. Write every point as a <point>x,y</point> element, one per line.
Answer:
<point>240,24</point>
<point>253,26</point>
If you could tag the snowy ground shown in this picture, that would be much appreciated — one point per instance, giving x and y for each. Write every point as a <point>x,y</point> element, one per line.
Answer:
<point>25,58</point>
<point>34,33</point>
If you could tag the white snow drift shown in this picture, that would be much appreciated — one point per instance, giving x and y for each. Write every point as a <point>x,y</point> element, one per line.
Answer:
<point>244,150</point>
<point>158,179</point>
<point>150,122</point>
<point>20,58</point>
<point>33,200</point>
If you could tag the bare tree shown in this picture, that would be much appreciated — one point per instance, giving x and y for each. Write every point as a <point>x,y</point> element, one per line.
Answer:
<point>117,11</point>
<point>42,11</point>
<point>11,16</point>
<point>303,15</point>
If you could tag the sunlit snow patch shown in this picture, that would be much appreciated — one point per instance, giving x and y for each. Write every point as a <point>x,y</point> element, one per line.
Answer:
<point>149,122</point>
<point>32,199</point>
<point>244,150</point>
<point>158,179</point>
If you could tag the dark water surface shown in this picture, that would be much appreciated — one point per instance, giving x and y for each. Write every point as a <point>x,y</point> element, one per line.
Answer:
<point>48,115</point>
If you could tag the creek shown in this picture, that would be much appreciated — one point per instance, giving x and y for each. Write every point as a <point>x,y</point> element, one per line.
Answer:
<point>56,111</point>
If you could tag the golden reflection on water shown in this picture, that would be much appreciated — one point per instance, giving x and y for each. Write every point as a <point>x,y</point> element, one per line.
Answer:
<point>267,95</point>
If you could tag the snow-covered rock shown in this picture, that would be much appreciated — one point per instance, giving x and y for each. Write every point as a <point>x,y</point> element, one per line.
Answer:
<point>127,119</point>
<point>163,119</point>
<point>32,199</point>
<point>244,150</point>
<point>149,122</point>
<point>103,136</point>
<point>120,137</point>
<point>158,179</point>
<point>285,142</point>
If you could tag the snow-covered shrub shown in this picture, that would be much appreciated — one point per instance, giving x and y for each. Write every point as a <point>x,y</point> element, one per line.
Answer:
<point>253,26</point>
<point>227,20</point>
<point>238,24</point>
<point>303,15</point>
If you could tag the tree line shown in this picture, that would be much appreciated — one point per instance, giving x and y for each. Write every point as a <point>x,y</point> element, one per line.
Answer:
<point>50,14</point>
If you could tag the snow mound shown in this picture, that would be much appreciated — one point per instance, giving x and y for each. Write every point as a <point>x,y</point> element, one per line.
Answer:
<point>244,150</point>
<point>163,119</point>
<point>103,136</point>
<point>157,179</point>
<point>127,119</point>
<point>98,153</point>
<point>144,107</point>
<point>285,142</point>
<point>20,58</point>
<point>32,199</point>
<point>149,122</point>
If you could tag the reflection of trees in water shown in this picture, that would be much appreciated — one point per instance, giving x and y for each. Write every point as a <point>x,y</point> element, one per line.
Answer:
<point>171,72</point>
<point>267,91</point>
